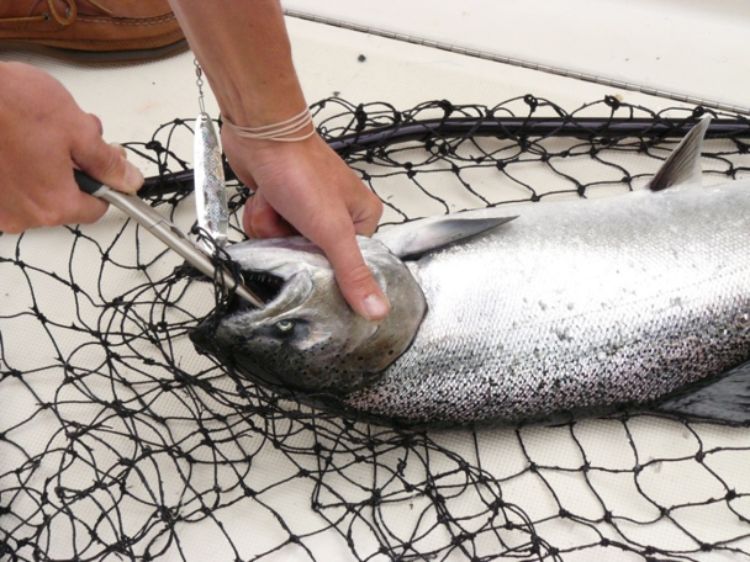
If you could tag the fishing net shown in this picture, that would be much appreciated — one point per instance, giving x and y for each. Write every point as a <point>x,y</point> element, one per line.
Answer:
<point>119,442</point>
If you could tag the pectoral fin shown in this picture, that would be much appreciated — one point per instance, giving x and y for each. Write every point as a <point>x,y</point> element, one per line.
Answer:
<point>419,237</point>
<point>684,164</point>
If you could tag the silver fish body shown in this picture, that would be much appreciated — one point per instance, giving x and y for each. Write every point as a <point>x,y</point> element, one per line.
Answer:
<point>576,306</point>
<point>210,193</point>
<point>572,307</point>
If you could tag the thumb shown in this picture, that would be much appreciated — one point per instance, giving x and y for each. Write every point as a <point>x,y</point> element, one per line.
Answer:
<point>108,164</point>
<point>357,284</point>
<point>260,220</point>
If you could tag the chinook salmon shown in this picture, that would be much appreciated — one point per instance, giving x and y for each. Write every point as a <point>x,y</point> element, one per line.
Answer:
<point>528,312</point>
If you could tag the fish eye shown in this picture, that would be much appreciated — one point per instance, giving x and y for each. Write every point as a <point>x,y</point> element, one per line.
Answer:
<point>285,326</point>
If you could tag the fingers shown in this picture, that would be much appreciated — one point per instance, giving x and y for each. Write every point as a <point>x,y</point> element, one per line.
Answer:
<point>309,185</point>
<point>97,124</point>
<point>105,162</point>
<point>357,284</point>
<point>121,149</point>
<point>72,207</point>
<point>260,220</point>
<point>46,135</point>
<point>86,209</point>
<point>367,216</point>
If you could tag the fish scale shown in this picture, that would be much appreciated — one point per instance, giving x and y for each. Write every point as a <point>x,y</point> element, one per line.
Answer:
<point>518,313</point>
<point>577,305</point>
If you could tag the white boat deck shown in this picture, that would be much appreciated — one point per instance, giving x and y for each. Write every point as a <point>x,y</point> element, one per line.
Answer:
<point>689,48</point>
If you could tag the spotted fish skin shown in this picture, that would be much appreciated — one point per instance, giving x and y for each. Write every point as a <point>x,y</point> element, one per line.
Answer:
<point>573,307</point>
<point>576,306</point>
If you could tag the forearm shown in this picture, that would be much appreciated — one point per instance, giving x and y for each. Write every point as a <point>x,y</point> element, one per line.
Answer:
<point>4,89</point>
<point>244,51</point>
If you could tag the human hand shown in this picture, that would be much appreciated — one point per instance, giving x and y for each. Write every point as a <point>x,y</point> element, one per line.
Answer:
<point>45,135</point>
<point>305,186</point>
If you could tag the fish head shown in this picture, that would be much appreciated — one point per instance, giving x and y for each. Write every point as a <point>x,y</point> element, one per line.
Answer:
<point>306,337</point>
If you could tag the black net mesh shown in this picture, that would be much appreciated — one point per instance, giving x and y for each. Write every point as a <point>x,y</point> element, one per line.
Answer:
<point>119,442</point>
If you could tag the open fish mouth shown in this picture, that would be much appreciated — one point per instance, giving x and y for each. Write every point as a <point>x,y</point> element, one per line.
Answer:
<point>266,285</point>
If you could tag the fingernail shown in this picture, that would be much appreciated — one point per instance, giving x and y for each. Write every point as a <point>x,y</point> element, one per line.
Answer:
<point>376,307</point>
<point>133,179</point>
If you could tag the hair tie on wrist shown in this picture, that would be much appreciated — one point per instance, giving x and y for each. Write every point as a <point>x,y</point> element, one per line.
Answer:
<point>278,132</point>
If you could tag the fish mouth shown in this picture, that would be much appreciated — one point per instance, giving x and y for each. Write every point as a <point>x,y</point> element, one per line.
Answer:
<point>265,285</point>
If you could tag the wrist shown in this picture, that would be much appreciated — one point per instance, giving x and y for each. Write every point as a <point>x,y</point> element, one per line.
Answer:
<point>10,83</point>
<point>234,143</point>
<point>6,83</point>
<point>260,104</point>
<point>296,128</point>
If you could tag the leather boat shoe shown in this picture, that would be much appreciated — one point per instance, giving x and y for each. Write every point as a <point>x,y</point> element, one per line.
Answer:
<point>107,29</point>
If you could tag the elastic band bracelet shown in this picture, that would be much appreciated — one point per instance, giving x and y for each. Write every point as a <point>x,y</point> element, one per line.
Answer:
<point>278,132</point>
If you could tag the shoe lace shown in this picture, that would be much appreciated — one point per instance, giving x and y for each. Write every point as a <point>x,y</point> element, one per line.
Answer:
<point>71,11</point>
<point>64,17</point>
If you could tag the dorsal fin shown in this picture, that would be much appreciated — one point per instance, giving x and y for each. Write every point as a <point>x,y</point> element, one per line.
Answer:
<point>684,164</point>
